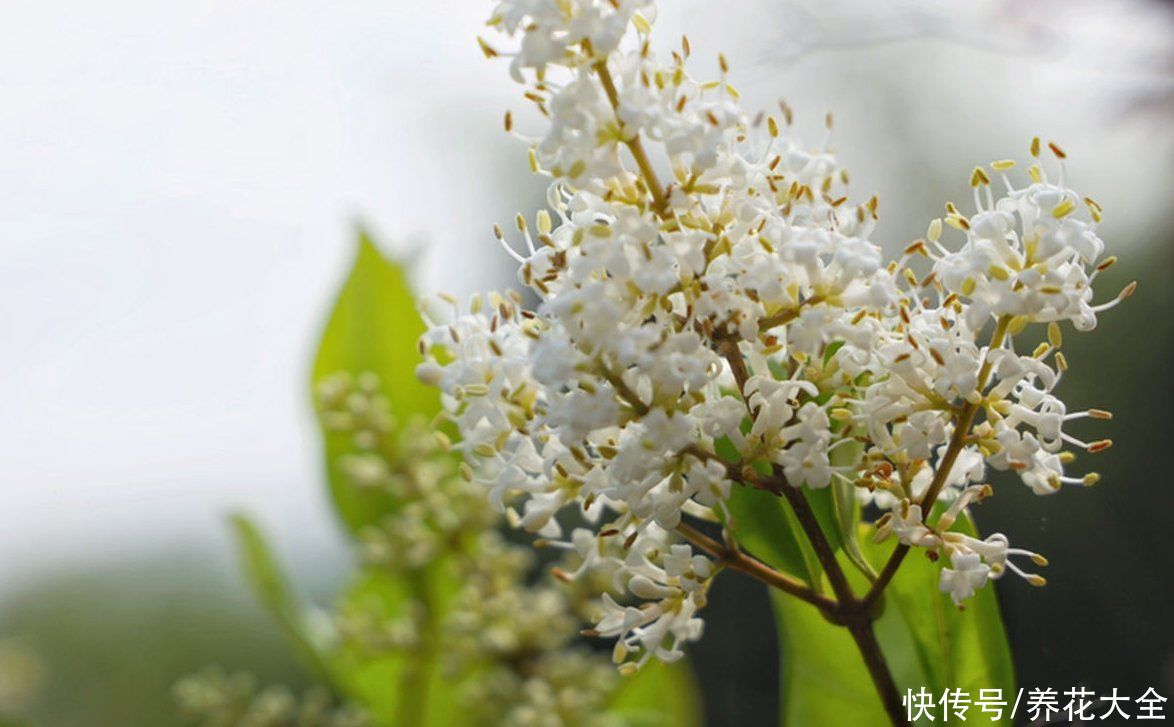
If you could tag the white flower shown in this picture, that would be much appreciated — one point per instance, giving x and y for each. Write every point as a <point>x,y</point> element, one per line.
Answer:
<point>966,575</point>
<point>710,306</point>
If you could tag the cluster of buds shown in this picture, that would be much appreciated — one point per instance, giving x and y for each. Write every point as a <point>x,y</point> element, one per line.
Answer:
<point>214,697</point>
<point>742,307</point>
<point>511,644</point>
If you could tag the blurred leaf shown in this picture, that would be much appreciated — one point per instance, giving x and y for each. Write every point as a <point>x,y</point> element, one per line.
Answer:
<point>765,526</point>
<point>273,591</point>
<point>659,695</point>
<point>927,642</point>
<point>374,327</point>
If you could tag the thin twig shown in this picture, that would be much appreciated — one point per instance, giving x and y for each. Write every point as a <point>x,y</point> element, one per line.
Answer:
<point>660,201</point>
<point>740,561</point>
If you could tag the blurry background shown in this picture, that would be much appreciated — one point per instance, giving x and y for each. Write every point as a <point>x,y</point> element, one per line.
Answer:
<point>177,194</point>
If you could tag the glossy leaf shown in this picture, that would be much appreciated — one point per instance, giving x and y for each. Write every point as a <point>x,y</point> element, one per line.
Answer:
<point>927,641</point>
<point>765,526</point>
<point>823,680</point>
<point>965,649</point>
<point>374,327</point>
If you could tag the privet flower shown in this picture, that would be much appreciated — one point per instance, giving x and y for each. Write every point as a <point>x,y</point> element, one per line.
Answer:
<point>743,304</point>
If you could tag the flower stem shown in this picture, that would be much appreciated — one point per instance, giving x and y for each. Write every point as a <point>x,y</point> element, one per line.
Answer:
<point>655,188</point>
<point>962,429</point>
<point>740,561</point>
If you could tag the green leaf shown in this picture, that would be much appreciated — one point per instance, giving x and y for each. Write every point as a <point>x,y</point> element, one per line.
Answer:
<point>966,649</point>
<point>275,595</point>
<point>927,641</point>
<point>823,504</point>
<point>374,327</point>
<point>823,680</point>
<point>764,525</point>
<point>659,695</point>
<point>847,510</point>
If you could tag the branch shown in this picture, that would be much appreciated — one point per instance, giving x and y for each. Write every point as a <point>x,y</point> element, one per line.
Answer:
<point>756,569</point>
<point>962,427</point>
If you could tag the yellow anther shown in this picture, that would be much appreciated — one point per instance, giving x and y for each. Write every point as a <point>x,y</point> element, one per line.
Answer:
<point>979,177</point>
<point>1003,165</point>
<point>1063,208</point>
<point>1035,146</point>
<point>1054,336</point>
<point>486,48</point>
<point>935,229</point>
<point>841,415</point>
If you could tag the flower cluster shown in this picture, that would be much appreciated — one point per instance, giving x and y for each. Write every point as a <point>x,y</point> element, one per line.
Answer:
<point>511,645</point>
<point>736,327</point>
<point>218,699</point>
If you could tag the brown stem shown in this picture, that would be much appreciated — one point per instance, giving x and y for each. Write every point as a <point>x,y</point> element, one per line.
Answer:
<point>625,391</point>
<point>823,549</point>
<point>754,568</point>
<point>874,659</point>
<point>660,201</point>
<point>788,315</point>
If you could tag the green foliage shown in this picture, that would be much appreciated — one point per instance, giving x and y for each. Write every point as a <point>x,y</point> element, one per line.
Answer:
<point>926,639</point>
<point>373,328</point>
<point>273,592</point>
<point>659,695</point>
<point>767,528</point>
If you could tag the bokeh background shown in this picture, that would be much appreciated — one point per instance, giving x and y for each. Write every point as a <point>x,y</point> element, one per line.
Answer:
<point>178,189</point>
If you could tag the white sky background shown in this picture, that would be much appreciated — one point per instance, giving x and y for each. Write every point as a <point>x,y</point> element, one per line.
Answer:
<point>178,183</point>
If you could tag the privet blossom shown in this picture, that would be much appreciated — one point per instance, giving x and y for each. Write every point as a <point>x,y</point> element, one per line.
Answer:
<point>742,308</point>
